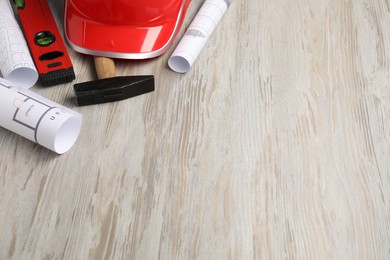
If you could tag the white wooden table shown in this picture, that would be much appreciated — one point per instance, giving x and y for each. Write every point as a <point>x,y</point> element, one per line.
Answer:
<point>276,145</point>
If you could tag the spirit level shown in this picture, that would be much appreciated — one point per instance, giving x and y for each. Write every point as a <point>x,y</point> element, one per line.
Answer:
<point>45,42</point>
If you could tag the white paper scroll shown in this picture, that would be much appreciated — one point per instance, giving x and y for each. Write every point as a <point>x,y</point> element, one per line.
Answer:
<point>16,63</point>
<point>22,111</point>
<point>197,35</point>
<point>37,118</point>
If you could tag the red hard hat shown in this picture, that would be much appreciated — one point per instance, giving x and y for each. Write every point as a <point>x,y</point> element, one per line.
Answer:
<point>128,29</point>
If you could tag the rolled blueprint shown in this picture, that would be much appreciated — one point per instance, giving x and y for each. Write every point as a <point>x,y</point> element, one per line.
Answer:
<point>37,118</point>
<point>16,63</point>
<point>197,35</point>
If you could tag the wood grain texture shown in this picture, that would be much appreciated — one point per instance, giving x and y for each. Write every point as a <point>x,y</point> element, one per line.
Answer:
<point>276,145</point>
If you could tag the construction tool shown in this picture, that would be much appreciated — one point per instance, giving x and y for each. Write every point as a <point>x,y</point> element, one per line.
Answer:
<point>109,87</point>
<point>45,42</point>
<point>112,89</point>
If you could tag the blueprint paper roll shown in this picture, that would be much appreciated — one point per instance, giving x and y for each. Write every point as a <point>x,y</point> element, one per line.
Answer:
<point>16,63</point>
<point>22,111</point>
<point>37,118</point>
<point>197,34</point>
